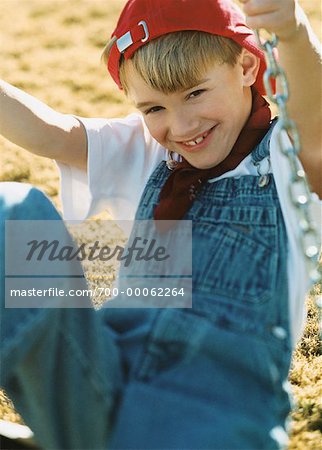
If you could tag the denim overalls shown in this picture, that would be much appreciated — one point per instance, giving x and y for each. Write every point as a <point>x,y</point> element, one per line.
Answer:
<point>210,377</point>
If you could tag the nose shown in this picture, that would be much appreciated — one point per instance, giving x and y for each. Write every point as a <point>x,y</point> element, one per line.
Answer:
<point>183,125</point>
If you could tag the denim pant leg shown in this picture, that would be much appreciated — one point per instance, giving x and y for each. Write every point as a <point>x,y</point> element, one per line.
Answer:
<point>61,367</point>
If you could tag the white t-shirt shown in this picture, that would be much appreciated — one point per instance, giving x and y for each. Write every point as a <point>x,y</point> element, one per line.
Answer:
<point>122,155</point>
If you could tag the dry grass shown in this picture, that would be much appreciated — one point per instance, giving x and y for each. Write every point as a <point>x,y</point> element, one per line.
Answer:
<point>51,49</point>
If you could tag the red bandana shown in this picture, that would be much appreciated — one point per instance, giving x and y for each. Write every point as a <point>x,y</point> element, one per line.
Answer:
<point>182,186</point>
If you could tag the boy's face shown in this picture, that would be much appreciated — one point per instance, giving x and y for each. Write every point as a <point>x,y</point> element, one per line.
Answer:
<point>202,123</point>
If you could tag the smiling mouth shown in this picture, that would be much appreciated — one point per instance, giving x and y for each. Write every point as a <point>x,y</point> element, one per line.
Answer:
<point>198,140</point>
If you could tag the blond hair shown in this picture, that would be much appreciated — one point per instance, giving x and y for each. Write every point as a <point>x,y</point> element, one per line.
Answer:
<point>177,61</point>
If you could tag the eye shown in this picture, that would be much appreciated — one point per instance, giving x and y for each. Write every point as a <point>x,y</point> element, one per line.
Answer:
<point>196,93</point>
<point>152,110</point>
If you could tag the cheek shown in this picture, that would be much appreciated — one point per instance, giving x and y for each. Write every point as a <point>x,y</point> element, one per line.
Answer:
<point>229,108</point>
<point>220,106</point>
<point>157,131</point>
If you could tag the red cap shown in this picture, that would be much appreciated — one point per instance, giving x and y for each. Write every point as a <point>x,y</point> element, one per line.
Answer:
<point>144,20</point>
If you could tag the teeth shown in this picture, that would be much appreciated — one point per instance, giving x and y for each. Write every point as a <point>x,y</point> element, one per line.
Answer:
<point>196,141</point>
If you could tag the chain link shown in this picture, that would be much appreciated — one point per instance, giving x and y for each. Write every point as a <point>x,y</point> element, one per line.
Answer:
<point>299,190</point>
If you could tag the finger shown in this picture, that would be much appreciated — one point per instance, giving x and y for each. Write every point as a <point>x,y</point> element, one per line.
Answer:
<point>259,7</point>
<point>273,22</point>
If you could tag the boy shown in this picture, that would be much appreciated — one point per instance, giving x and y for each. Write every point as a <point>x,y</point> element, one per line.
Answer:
<point>201,122</point>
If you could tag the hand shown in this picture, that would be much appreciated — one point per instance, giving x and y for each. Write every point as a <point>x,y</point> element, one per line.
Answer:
<point>275,16</point>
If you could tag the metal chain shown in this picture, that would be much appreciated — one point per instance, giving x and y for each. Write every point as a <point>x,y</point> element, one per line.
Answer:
<point>299,190</point>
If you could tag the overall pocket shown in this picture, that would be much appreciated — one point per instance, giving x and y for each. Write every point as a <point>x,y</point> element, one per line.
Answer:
<point>235,255</point>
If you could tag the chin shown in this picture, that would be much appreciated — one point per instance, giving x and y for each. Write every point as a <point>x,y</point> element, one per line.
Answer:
<point>204,165</point>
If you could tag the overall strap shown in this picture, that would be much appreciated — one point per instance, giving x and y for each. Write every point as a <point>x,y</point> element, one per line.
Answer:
<point>262,150</point>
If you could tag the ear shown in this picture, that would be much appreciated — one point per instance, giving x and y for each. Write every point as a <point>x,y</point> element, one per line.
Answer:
<point>250,65</point>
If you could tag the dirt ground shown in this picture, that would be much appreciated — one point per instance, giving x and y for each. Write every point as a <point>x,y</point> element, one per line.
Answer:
<point>51,49</point>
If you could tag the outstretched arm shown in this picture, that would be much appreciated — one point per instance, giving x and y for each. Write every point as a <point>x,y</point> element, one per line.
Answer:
<point>300,56</point>
<point>31,124</point>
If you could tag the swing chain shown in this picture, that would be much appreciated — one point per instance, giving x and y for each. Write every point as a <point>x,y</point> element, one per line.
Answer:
<point>299,189</point>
